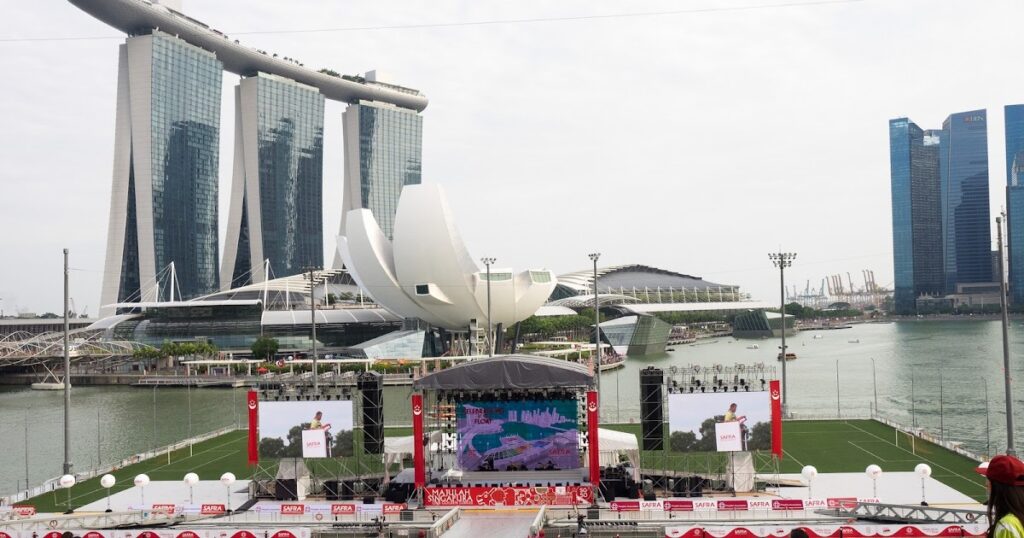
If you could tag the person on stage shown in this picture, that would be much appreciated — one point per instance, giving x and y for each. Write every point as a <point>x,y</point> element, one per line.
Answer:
<point>730,415</point>
<point>317,422</point>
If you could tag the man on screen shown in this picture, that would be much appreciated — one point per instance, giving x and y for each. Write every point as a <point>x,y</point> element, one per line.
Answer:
<point>730,415</point>
<point>317,422</point>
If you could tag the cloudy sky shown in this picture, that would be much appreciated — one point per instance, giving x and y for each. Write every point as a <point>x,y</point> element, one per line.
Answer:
<point>696,141</point>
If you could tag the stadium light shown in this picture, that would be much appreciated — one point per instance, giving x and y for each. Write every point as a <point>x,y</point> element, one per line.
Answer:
<point>924,471</point>
<point>108,481</point>
<point>782,260</point>
<point>809,472</point>
<point>874,472</point>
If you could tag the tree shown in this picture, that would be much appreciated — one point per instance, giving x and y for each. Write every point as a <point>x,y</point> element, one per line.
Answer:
<point>682,441</point>
<point>271,447</point>
<point>760,437</point>
<point>343,444</point>
<point>147,353</point>
<point>264,348</point>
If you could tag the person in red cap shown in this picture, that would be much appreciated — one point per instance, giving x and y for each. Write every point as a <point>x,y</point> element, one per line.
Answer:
<point>1005,485</point>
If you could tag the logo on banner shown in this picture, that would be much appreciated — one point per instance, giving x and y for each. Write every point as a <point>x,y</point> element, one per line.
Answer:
<point>147,534</point>
<point>592,407</point>
<point>164,509</point>
<point>92,534</point>
<point>625,506</point>
<point>5,535</point>
<point>815,503</point>
<point>183,534</point>
<point>678,506</point>
<point>841,502</point>
<point>252,403</point>
<point>293,509</point>
<point>775,395</point>
<point>243,534</point>
<point>787,504</point>
<point>390,508</point>
<point>212,509</point>
<point>342,509</point>
<point>284,534</point>
<point>24,510</point>
<point>417,409</point>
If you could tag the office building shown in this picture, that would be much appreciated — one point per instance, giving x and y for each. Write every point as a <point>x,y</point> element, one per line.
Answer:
<point>162,234</point>
<point>276,211</point>
<point>383,154</point>
<point>963,165</point>
<point>916,213</point>
<point>1014,124</point>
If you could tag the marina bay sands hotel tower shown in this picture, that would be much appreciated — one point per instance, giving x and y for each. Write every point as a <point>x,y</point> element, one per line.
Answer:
<point>162,241</point>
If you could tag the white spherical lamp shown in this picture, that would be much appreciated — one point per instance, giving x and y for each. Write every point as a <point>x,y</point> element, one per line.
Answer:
<point>227,479</point>
<point>191,479</point>
<point>108,481</point>
<point>923,470</point>
<point>809,472</point>
<point>142,480</point>
<point>67,481</point>
<point>873,471</point>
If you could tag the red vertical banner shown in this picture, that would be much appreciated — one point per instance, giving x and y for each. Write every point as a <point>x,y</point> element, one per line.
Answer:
<point>253,402</point>
<point>776,394</point>
<point>593,448</point>
<point>420,477</point>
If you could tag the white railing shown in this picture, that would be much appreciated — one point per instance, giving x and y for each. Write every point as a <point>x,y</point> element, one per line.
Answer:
<point>446,522</point>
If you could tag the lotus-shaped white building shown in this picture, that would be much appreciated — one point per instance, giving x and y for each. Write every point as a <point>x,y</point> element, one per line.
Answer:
<point>426,272</point>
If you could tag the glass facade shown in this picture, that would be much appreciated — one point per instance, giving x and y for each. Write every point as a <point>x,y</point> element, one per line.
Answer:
<point>185,138</point>
<point>967,238</point>
<point>290,128</point>
<point>916,213</point>
<point>390,157</point>
<point>1014,124</point>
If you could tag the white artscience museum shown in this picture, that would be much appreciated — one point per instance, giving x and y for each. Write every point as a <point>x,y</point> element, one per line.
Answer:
<point>426,272</point>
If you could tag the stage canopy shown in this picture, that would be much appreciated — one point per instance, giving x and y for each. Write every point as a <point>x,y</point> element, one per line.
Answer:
<point>508,372</point>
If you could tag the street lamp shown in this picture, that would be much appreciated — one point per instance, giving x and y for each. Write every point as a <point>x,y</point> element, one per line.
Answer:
<point>141,481</point>
<point>809,472</point>
<point>782,260</point>
<point>191,479</point>
<point>108,481</point>
<point>874,472</point>
<point>66,482</point>
<point>227,479</point>
<point>924,471</point>
<point>490,335</point>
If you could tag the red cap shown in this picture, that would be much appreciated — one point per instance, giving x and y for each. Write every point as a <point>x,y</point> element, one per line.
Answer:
<point>1003,469</point>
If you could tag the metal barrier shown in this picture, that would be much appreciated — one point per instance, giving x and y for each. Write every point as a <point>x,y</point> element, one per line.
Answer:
<point>538,522</point>
<point>446,522</point>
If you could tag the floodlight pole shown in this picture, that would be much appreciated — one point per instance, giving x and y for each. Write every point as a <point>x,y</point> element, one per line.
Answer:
<point>490,335</point>
<point>594,256</point>
<point>782,260</point>
<point>67,379</point>
<point>312,313</point>
<point>1010,450</point>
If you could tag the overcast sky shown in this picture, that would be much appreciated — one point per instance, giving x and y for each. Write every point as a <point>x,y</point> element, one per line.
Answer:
<point>695,142</point>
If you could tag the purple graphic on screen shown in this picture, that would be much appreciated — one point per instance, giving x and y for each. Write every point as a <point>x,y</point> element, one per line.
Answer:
<point>527,435</point>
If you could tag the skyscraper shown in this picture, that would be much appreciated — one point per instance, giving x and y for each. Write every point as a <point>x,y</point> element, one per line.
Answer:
<point>383,153</point>
<point>163,209</point>
<point>916,213</point>
<point>276,195</point>
<point>966,233</point>
<point>1014,122</point>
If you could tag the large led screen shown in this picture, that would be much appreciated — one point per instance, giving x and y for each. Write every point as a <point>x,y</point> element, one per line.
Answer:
<point>720,421</point>
<point>526,435</point>
<point>310,429</point>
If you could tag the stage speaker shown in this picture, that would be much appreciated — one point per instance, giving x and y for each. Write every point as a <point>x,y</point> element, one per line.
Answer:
<point>371,387</point>
<point>284,490</point>
<point>651,410</point>
<point>607,491</point>
<point>347,491</point>
<point>594,513</point>
<point>331,490</point>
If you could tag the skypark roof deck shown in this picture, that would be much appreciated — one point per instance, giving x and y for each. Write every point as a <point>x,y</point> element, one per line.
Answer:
<point>135,17</point>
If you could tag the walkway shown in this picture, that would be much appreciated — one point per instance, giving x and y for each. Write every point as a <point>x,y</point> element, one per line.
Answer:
<point>491,525</point>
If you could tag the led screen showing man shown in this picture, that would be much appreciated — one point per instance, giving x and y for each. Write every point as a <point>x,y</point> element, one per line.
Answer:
<point>720,421</point>
<point>310,429</point>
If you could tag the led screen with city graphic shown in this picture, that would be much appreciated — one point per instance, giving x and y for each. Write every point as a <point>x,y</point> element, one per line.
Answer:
<point>523,435</point>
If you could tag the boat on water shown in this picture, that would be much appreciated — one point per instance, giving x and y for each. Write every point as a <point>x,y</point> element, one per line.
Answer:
<point>753,346</point>
<point>857,341</point>
<point>789,356</point>
<point>817,337</point>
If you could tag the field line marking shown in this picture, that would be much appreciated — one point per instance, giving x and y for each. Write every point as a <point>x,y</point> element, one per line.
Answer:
<point>194,455</point>
<point>952,472</point>
<point>870,453</point>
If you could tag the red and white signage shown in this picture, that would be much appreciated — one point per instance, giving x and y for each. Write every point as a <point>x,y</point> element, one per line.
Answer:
<point>787,504</point>
<point>392,508</point>
<point>732,505</point>
<point>24,510</point>
<point>776,401</point>
<point>212,509</point>
<point>243,534</point>
<point>185,534</point>
<point>293,509</point>
<point>283,534</point>
<point>418,460</point>
<point>342,509</point>
<point>841,502</point>
<point>727,437</point>
<point>678,506</point>
<point>508,496</point>
<point>147,534</point>
<point>253,403</point>
<point>164,509</point>
<point>593,448</point>
<point>93,534</point>
<point>625,506</point>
